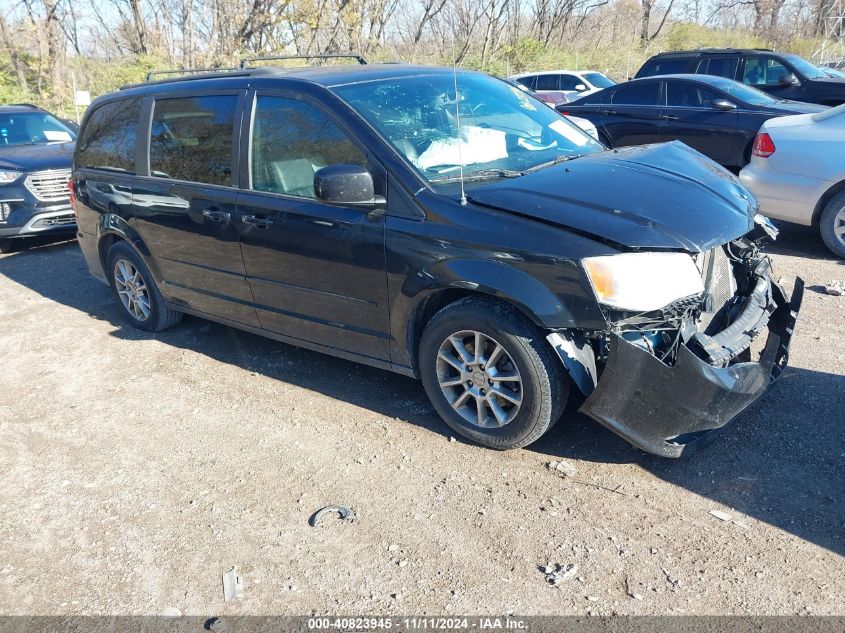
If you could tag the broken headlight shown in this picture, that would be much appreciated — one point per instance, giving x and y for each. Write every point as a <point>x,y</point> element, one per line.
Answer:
<point>642,282</point>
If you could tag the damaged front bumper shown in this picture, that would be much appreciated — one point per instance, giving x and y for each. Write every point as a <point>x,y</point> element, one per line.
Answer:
<point>662,408</point>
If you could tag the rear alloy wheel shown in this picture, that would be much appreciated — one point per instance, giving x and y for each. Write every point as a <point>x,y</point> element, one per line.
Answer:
<point>134,287</point>
<point>832,225</point>
<point>490,373</point>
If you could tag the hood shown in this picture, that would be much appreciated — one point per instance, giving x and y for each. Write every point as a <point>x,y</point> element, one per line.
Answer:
<point>832,81</point>
<point>665,196</point>
<point>36,157</point>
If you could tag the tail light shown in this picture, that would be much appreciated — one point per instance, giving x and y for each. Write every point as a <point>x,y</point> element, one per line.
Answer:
<point>566,113</point>
<point>763,146</point>
<point>72,193</point>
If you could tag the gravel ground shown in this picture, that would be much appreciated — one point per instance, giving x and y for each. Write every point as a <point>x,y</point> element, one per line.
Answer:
<point>136,469</point>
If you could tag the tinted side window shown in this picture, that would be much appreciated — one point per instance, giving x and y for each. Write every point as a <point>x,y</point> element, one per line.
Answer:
<point>664,67</point>
<point>763,71</point>
<point>108,140</point>
<point>528,82</point>
<point>192,139</point>
<point>637,94</point>
<point>291,140</point>
<point>547,82</point>
<point>568,82</point>
<point>686,95</point>
<point>719,66</point>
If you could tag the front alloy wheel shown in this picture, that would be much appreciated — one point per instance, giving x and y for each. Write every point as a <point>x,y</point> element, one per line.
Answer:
<point>490,373</point>
<point>479,379</point>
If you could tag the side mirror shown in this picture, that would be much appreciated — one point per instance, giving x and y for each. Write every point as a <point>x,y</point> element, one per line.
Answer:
<point>788,79</point>
<point>723,104</point>
<point>580,87</point>
<point>345,184</point>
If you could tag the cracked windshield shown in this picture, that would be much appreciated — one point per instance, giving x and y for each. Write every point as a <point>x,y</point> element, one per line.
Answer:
<point>504,132</point>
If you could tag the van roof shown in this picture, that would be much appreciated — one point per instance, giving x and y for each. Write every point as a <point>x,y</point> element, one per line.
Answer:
<point>323,75</point>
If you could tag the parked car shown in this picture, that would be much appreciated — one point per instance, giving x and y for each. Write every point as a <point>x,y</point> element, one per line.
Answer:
<point>797,171</point>
<point>782,75</point>
<point>345,210</point>
<point>584,124</point>
<point>35,157</point>
<point>716,116</point>
<point>561,86</point>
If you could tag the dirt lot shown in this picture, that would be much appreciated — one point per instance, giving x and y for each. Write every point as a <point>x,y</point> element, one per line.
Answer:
<point>136,469</point>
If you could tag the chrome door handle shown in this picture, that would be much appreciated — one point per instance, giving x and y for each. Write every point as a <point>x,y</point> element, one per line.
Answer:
<point>255,220</point>
<point>216,215</point>
<point>668,117</point>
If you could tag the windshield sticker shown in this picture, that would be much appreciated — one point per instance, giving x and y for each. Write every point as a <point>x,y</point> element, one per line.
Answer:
<point>57,135</point>
<point>524,101</point>
<point>569,132</point>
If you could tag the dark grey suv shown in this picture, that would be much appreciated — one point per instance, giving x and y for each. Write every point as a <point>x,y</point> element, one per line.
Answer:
<point>36,150</point>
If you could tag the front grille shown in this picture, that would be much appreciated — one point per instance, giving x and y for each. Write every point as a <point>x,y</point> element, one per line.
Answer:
<point>719,284</point>
<point>56,220</point>
<point>49,185</point>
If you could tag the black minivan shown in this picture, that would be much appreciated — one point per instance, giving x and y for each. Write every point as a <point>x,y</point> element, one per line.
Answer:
<point>446,226</point>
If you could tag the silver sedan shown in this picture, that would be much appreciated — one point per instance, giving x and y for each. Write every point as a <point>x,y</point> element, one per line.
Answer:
<point>797,171</point>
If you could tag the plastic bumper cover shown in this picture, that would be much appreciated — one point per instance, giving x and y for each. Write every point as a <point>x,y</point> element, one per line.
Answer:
<point>662,409</point>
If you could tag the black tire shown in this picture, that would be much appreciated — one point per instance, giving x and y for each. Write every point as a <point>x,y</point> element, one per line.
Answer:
<point>544,389</point>
<point>159,316</point>
<point>7,245</point>
<point>828,222</point>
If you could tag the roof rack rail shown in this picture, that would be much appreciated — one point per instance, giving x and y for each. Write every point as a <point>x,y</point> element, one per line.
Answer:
<point>23,105</point>
<point>185,71</point>
<point>270,58</point>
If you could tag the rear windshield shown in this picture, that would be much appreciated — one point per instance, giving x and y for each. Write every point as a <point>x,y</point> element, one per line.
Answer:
<point>672,66</point>
<point>33,128</point>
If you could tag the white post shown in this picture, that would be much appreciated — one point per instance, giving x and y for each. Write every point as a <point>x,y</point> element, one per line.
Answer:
<point>75,100</point>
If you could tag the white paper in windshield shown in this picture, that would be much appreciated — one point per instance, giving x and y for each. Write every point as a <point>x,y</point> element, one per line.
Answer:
<point>569,132</point>
<point>477,145</point>
<point>57,135</point>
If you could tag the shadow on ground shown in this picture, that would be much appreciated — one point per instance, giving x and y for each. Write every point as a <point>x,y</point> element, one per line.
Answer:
<point>781,462</point>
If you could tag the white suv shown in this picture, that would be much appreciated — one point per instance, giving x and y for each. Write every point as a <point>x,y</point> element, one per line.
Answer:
<point>568,84</point>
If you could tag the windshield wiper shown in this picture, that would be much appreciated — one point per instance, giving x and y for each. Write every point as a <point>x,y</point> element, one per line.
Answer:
<point>551,163</point>
<point>481,174</point>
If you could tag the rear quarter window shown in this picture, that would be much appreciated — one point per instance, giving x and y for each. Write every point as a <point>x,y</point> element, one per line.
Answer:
<point>107,140</point>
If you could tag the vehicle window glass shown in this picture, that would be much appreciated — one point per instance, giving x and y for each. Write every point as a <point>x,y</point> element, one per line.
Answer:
<point>291,140</point>
<point>503,131</point>
<point>686,95</point>
<point>763,71</point>
<point>547,82</point>
<point>191,139</point>
<point>804,67</point>
<point>666,67</point>
<point>745,93</point>
<point>719,66</point>
<point>637,94</point>
<point>568,82</point>
<point>599,80</point>
<point>108,139</point>
<point>528,82</point>
<point>32,128</point>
